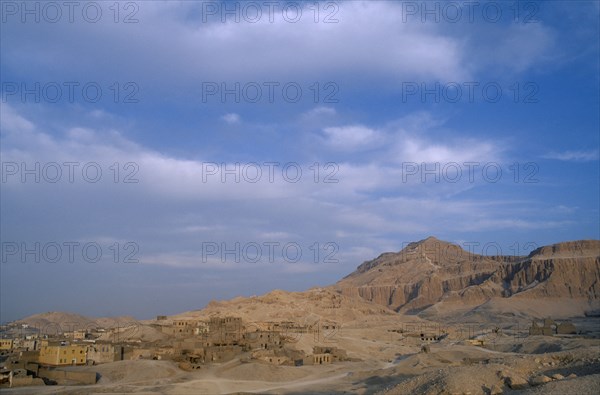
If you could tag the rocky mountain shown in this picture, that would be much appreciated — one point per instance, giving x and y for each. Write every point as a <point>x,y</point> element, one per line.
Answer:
<point>431,271</point>
<point>429,276</point>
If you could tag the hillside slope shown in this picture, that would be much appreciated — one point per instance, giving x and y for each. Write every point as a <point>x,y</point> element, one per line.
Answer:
<point>430,271</point>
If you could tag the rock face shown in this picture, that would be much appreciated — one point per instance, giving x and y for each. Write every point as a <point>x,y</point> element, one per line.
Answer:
<point>431,270</point>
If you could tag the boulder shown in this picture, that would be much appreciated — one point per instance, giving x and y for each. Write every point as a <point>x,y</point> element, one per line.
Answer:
<point>516,382</point>
<point>541,379</point>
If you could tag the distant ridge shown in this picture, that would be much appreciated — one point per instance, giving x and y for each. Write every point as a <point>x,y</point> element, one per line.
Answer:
<point>431,271</point>
<point>70,321</point>
<point>429,275</point>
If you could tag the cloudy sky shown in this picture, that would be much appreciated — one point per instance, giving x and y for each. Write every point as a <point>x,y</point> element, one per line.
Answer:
<point>157,155</point>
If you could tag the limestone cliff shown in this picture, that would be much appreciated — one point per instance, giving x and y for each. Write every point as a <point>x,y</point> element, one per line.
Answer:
<point>431,270</point>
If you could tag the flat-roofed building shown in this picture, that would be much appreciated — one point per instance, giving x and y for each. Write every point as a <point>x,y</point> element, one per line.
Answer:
<point>6,344</point>
<point>102,352</point>
<point>62,354</point>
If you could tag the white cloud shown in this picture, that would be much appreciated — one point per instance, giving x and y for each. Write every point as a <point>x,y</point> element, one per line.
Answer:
<point>98,113</point>
<point>81,134</point>
<point>574,156</point>
<point>321,112</point>
<point>171,211</point>
<point>352,137</point>
<point>11,121</point>
<point>275,235</point>
<point>231,118</point>
<point>409,139</point>
<point>418,150</point>
<point>387,49</point>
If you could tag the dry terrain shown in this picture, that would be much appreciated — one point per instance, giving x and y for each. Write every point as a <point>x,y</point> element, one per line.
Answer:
<point>479,309</point>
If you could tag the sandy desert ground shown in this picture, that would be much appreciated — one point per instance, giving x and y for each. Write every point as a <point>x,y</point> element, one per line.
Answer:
<point>385,364</point>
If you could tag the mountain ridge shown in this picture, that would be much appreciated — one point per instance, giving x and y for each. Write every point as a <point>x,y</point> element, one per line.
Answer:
<point>422,275</point>
<point>431,270</point>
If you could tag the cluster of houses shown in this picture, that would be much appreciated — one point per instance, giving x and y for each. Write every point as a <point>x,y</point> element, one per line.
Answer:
<point>550,328</point>
<point>419,335</point>
<point>423,335</point>
<point>221,339</point>
<point>191,342</point>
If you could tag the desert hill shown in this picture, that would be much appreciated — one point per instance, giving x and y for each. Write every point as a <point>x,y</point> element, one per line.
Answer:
<point>432,271</point>
<point>316,304</point>
<point>431,277</point>
<point>74,321</point>
<point>124,328</point>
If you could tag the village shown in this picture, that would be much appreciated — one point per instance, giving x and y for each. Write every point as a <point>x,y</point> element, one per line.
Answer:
<point>47,356</point>
<point>36,357</point>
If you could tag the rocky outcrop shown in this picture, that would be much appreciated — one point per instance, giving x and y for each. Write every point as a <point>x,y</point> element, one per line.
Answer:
<point>431,270</point>
<point>575,277</point>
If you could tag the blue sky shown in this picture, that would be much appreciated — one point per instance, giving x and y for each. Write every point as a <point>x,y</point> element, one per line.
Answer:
<point>476,124</point>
